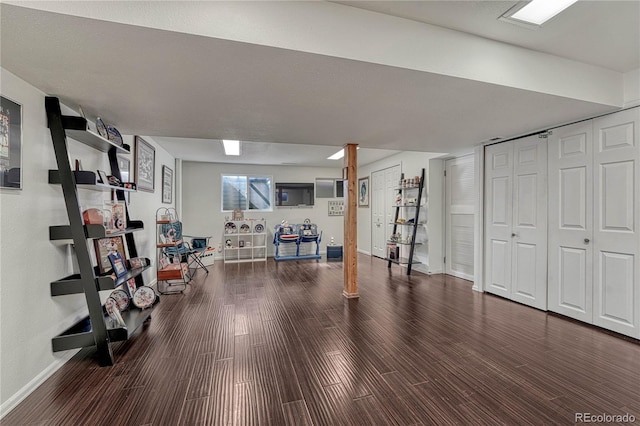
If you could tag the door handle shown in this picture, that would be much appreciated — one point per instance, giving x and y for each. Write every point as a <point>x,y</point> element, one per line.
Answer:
<point>586,241</point>
<point>513,234</point>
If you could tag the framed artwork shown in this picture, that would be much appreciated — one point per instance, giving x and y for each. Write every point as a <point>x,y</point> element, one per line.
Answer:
<point>10,144</point>
<point>145,171</point>
<point>336,207</point>
<point>117,262</point>
<point>363,192</point>
<point>125,173</point>
<point>105,246</point>
<point>167,185</point>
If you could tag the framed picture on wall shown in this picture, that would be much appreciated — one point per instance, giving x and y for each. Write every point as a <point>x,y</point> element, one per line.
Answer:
<point>167,185</point>
<point>145,170</point>
<point>363,192</point>
<point>10,144</point>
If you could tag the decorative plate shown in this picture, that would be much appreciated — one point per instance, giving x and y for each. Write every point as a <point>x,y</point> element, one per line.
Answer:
<point>230,227</point>
<point>114,135</point>
<point>101,128</point>
<point>245,228</point>
<point>259,229</point>
<point>122,298</point>
<point>144,297</point>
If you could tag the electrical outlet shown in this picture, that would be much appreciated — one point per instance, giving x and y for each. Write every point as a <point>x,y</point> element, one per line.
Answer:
<point>220,247</point>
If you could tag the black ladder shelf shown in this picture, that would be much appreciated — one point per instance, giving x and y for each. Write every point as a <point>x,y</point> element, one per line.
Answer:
<point>96,329</point>
<point>411,225</point>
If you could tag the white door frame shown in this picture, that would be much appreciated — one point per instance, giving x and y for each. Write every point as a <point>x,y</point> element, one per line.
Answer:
<point>387,202</point>
<point>450,209</point>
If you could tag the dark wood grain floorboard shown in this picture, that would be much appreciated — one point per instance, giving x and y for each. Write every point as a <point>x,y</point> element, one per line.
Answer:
<point>194,412</point>
<point>221,402</point>
<point>296,414</point>
<point>277,344</point>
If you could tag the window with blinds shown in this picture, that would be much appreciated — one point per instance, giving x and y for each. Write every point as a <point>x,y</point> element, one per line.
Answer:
<point>246,193</point>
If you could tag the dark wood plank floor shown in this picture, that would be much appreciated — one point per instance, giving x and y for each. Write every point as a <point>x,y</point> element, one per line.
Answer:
<point>277,344</point>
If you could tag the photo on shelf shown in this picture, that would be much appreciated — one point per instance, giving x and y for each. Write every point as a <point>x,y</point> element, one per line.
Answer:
<point>119,215</point>
<point>137,262</point>
<point>102,177</point>
<point>104,246</point>
<point>117,263</point>
<point>164,262</point>
<point>131,287</point>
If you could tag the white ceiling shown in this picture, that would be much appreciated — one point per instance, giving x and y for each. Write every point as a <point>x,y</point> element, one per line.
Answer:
<point>177,86</point>
<point>207,150</point>
<point>601,33</point>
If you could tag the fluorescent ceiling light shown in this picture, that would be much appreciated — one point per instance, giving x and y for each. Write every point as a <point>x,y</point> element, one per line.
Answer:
<point>338,155</point>
<point>231,147</point>
<point>538,12</point>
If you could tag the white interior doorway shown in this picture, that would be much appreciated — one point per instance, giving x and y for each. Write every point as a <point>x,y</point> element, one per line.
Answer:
<point>383,184</point>
<point>459,216</point>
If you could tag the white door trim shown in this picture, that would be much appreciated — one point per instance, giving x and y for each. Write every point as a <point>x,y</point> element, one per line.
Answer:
<point>466,208</point>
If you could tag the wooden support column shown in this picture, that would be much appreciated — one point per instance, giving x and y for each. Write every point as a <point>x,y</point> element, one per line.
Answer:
<point>351,222</point>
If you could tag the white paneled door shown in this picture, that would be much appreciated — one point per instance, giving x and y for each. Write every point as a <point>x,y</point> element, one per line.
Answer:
<point>378,227</point>
<point>594,243</point>
<point>498,221</point>
<point>383,183</point>
<point>459,207</point>
<point>571,221</point>
<point>516,220</point>
<point>616,239</point>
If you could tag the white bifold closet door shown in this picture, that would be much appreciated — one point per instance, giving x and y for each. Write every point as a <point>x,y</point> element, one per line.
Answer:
<point>516,220</point>
<point>571,221</point>
<point>594,243</point>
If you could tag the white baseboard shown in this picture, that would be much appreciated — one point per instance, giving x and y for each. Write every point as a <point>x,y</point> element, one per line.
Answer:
<point>26,390</point>
<point>364,252</point>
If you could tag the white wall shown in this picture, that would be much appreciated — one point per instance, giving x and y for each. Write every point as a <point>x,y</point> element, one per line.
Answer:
<point>201,200</point>
<point>632,88</point>
<point>143,204</point>
<point>29,315</point>
<point>411,163</point>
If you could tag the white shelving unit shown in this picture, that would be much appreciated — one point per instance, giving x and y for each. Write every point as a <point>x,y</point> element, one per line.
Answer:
<point>245,240</point>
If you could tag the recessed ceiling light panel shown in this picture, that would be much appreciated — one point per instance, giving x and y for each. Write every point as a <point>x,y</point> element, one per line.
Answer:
<point>338,155</point>
<point>536,12</point>
<point>231,147</point>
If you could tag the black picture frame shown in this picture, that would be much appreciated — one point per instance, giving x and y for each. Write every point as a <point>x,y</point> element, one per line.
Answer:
<point>145,165</point>
<point>167,185</point>
<point>10,144</point>
<point>363,192</point>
